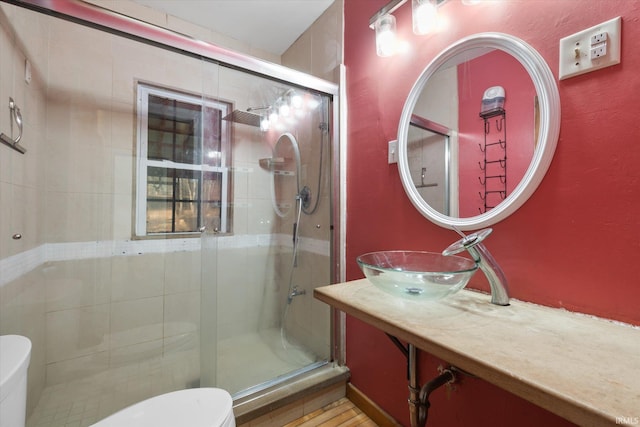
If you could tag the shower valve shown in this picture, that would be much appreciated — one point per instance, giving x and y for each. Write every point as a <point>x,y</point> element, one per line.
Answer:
<point>305,197</point>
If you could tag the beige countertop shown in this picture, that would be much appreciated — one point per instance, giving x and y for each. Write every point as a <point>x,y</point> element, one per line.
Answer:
<point>580,367</point>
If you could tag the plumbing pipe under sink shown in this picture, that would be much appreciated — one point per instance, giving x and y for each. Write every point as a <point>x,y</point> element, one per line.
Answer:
<point>419,396</point>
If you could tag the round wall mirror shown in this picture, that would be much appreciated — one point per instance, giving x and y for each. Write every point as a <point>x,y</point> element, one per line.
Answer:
<point>478,131</point>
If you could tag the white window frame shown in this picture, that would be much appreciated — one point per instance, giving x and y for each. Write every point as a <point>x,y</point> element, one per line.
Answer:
<point>143,162</point>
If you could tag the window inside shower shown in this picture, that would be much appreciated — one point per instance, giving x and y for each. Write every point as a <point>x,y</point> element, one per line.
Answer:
<point>183,149</point>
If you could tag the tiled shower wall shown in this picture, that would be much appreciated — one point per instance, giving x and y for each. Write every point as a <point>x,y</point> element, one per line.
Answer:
<point>22,298</point>
<point>86,295</point>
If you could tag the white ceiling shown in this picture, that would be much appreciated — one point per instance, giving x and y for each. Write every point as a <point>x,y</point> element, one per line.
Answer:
<point>270,25</point>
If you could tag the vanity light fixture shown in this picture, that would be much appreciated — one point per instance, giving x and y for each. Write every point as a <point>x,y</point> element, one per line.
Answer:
<point>424,17</point>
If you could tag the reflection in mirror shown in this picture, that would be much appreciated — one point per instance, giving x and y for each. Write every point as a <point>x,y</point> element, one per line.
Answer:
<point>451,111</point>
<point>473,141</point>
<point>428,151</point>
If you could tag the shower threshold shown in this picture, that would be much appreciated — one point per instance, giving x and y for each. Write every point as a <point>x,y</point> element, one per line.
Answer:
<point>254,390</point>
<point>306,384</point>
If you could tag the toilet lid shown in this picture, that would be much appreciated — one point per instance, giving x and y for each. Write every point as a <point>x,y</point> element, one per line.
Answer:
<point>15,353</point>
<point>198,407</point>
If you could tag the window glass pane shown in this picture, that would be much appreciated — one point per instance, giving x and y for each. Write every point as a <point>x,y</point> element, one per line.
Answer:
<point>159,184</point>
<point>187,198</point>
<point>159,216</point>
<point>159,200</point>
<point>212,200</point>
<point>212,187</point>
<point>174,130</point>
<point>186,217</point>
<point>211,213</point>
<point>212,124</point>
<point>187,184</point>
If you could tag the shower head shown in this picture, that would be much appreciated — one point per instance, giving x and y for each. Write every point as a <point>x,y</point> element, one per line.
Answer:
<point>244,117</point>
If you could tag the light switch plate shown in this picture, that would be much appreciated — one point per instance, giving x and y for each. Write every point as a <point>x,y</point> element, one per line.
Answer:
<point>591,49</point>
<point>27,71</point>
<point>393,151</point>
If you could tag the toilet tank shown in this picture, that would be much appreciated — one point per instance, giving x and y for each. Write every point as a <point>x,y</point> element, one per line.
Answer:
<point>15,354</point>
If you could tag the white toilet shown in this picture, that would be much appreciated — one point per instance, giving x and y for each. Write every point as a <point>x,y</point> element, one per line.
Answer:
<point>15,354</point>
<point>196,407</point>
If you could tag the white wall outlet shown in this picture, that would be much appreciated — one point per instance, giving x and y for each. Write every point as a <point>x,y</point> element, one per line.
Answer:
<point>598,38</point>
<point>591,49</point>
<point>598,51</point>
<point>393,151</point>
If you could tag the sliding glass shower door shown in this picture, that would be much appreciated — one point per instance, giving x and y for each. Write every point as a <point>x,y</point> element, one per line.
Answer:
<point>259,322</point>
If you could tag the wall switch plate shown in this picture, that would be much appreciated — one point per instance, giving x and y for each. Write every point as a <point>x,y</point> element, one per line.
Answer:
<point>27,71</point>
<point>393,151</point>
<point>591,49</point>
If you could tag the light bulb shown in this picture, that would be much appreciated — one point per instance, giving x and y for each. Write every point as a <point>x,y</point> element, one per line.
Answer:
<point>425,16</point>
<point>273,117</point>
<point>284,109</point>
<point>296,100</point>
<point>386,35</point>
<point>264,124</point>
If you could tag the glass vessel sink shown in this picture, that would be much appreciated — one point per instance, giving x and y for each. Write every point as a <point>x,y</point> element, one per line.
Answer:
<point>417,275</point>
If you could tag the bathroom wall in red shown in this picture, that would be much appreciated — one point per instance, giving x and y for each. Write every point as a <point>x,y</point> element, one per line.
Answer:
<point>574,244</point>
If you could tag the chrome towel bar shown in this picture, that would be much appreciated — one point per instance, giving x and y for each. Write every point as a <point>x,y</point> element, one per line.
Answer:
<point>17,117</point>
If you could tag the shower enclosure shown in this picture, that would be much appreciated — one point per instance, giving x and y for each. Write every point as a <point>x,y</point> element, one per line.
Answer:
<point>170,217</point>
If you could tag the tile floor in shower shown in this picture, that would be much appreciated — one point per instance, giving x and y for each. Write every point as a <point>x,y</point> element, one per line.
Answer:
<point>82,402</point>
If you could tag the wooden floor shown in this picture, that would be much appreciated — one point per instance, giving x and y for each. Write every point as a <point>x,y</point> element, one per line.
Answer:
<point>341,413</point>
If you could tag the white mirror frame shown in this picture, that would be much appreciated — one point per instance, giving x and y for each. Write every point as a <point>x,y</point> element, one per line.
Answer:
<point>549,104</point>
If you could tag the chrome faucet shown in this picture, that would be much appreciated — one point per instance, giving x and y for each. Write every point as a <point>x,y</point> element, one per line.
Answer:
<point>473,244</point>
<point>294,293</point>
